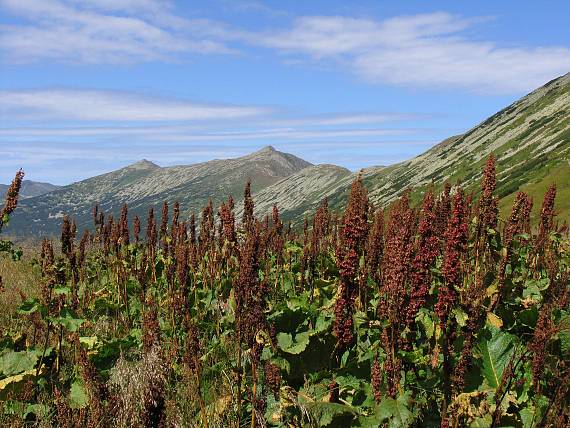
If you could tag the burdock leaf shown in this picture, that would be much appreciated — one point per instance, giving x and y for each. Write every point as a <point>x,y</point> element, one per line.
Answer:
<point>484,422</point>
<point>89,341</point>
<point>286,343</point>
<point>460,317</point>
<point>62,290</point>
<point>12,362</point>
<point>396,411</point>
<point>69,320</point>
<point>325,413</point>
<point>78,398</point>
<point>496,351</point>
<point>427,323</point>
<point>29,306</point>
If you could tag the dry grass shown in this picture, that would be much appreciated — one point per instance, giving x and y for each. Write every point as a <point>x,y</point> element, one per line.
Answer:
<point>17,276</point>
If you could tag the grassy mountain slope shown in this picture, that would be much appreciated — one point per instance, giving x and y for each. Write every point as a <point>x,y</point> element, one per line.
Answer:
<point>296,195</point>
<point>530,140</point>
<point>145,184</point>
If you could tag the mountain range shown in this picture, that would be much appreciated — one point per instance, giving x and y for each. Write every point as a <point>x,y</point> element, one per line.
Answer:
<point>30,189</point>
<point>530,140</point>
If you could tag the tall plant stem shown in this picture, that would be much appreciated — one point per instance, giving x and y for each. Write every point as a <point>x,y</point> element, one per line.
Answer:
<point>446,373</point>
<point>239,382</point>
<point>254,375</point>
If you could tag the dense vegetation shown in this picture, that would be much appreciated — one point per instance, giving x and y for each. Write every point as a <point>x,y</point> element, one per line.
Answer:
<point>436,315</point>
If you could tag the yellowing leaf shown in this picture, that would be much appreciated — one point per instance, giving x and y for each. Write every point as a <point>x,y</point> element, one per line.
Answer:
<point>494,320</point>
<point>492,289</point>
<point>12,384</point>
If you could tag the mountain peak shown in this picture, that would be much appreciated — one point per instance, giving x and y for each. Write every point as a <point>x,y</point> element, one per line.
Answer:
<point>267,149</point>
<point>143,164</point>
<point>279,163</point>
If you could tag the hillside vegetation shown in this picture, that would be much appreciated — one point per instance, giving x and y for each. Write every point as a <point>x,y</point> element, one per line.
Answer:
<point>530,140</point>
<point>424,315</point>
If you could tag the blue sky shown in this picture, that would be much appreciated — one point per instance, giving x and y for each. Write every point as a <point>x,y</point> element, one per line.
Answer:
<point>88,86</point>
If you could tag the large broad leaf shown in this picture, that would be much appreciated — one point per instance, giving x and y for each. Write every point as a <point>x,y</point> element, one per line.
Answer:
<point>12,362</point>
<point>30,306</point>
<point>286,343</point>
<point>331,414</point>
<point>426,322</point>
<point>395,411</point>
<point>484,422</point>
<point>78,398</point>
<point>69,320</point>
<point>496,349</point>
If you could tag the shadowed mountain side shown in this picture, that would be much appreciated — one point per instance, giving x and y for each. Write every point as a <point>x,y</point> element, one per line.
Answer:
<point>30,189</point>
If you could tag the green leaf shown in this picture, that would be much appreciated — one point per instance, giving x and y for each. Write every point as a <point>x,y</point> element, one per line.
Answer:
<point>396,411</point>
<point>78,398</point>
<point>89,341</point>
<point>484,422</point>
<point>564,334</point>
<point>531,416</point>
<point>460,317</point>
<point>29,306</point>
<point>62,290</point>
<point>12,362</point>
<point>348,382</point>
<point>68,320</point>
<point>301,342</point>
<point>427,323</point>
<point>344,358</point>
<point>323,323</point>
<point>326,413</point>
<point>528,316</point>
<point>38,410</point>
<point>496,351</point>
<point>286,343</point>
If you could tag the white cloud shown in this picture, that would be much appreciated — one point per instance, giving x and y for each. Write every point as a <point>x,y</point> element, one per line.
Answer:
<point>425,50</point>
<point>95,105</point>
<point>349,119</point>
<point>419,50</point>
<point>102,31</point>
<point>181,134</point>
<point>283,134</point>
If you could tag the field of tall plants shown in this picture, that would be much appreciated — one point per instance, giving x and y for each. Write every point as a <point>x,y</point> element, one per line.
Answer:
<point>441,314</point>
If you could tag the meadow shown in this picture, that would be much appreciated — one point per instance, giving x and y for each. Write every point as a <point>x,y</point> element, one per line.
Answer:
<point>441,314</point>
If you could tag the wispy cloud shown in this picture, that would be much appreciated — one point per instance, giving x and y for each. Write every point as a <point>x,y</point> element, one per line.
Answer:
<point>188,134</point>
<point>419,50</point>
<point>350,119</point>
<point>102,31</point>
<point>98,105</point>
<point>423,50</point>
<point>255,6</point>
